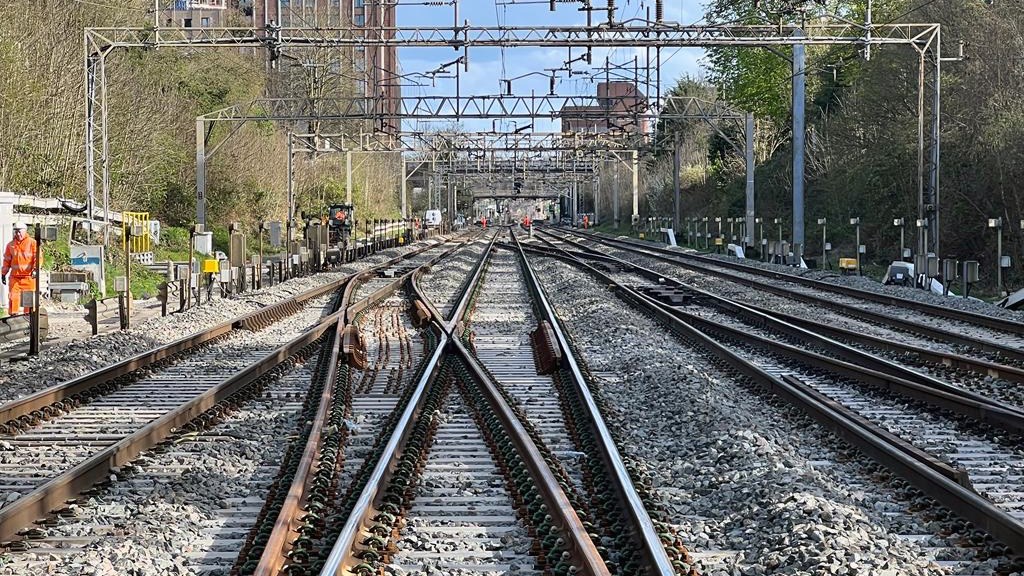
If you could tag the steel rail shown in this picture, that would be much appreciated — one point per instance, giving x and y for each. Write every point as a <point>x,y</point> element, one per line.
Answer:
<point>466,291</point>
<point>957,361</point>
<point>780,323</point>
<point>656,559</point>
<point>467,288</point>
<point>580,546</point>
<point>922,470</point>
<point>849,362</point>
<point>1003,324</point>
<point>354,310</point>
<point>340,558</point>
<point>67,485</point>
<point>877,317</point>
<point>43,400</point>
<point>55,492</point>
<point>273,558</point>
<point>564,516</point>
<point>279,542</point>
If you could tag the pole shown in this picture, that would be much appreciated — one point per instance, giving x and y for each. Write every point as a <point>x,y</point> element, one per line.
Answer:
<point>201,173</point>
<point>922,233</point>
<point>288,247</point>
<point>33,319</point>
<point>903,245</point>
<point>750,179</point>
<point>936,140</point>
<point>636,188</point>
<point>191,257</point>
<point>799,89</point>
<point>764,245</point>
<point>348,177</point>
<point>824,244</point>
<point>128,278</point>
<point>405,187</point>
<point>858,246</point>
<point>675,183</point>
<point>615,195</point>
<point>999,258</point>
<point>291,178</point>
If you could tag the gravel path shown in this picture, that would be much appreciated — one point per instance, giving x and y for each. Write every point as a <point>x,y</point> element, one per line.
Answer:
<point>56,364</point>
<point>752,486</point>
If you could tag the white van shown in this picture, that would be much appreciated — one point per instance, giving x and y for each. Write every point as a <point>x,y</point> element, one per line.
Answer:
<point>432,219</point>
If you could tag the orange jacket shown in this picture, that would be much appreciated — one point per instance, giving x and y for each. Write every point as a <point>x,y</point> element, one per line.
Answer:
<point>20,257</point>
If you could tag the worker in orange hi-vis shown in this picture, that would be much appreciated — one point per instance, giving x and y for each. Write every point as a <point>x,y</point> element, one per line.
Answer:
<point>586,221</point>
<point>20,262</point>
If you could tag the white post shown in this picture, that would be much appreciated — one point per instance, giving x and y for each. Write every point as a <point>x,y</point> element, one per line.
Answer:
<point>348,177</point>
<point>6,234</point>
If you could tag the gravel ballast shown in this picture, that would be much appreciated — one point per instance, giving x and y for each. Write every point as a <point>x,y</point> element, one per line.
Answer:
<point>184,504</point>
<point>65,361</point>
<point>753,487</point>
<point>872,285</point>
<point>441,285</point>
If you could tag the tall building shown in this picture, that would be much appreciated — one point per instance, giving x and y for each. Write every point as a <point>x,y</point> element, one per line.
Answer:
<point>198,13</point>
<point>618,104</point>
<point>374,69</point>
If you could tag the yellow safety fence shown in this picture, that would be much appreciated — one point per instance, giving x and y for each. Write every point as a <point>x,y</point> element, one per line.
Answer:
<point>139,244</point>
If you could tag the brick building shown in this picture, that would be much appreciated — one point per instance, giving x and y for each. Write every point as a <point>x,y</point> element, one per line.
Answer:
<point>375,68</point>
<point>618,103</point>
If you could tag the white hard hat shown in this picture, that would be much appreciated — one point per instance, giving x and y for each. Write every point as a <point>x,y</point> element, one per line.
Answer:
<point>20,226</point>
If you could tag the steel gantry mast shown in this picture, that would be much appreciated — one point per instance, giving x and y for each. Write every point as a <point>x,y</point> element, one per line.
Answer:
<point>636,33</point>
<point>678,108</point>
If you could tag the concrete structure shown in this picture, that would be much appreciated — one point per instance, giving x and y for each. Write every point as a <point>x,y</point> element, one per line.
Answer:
<point>618,103</point>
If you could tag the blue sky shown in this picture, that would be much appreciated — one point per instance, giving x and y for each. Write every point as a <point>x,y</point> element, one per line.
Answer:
<point>487,66</point>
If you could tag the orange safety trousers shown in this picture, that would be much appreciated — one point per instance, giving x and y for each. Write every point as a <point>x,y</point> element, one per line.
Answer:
<point>20,261</point>
<point>17,285</point>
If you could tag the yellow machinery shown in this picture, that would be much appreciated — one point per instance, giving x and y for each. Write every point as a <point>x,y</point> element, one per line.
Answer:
<point>848,264</point>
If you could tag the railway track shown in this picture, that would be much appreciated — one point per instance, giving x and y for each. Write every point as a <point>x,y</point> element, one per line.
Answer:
<point>888,351</point>
<point>999,340</point>
<point>465,437</point>
<point>930,436</point>
<point>1002,324</point>
<point>447,471</point>
<point>215,520</point>
<point>66,438</point>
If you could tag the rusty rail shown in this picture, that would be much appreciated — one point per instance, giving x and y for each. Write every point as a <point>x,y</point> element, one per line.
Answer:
<point>55,492</point>
<point>274,555</point>
<point>279,543</point>
<point>34,406</point>
<point>921,328</point>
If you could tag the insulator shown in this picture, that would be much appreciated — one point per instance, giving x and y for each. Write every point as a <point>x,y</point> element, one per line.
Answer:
<point>659,11</point>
